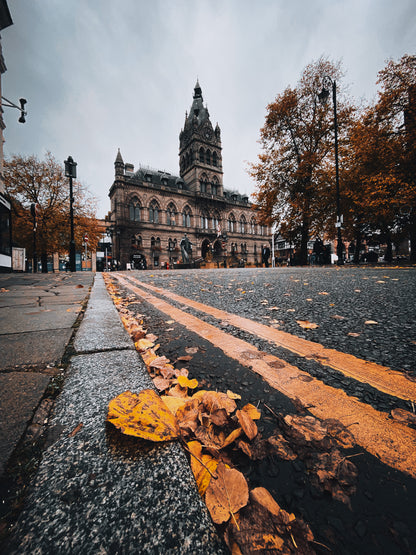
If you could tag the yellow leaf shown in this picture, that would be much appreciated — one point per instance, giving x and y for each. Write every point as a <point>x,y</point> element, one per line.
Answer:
<point>370,322</point>
<point>231,437</point>
<point>174,403</point>
<point>202,472</point>
<point>232,395</point>
<point>143,344</point>
<point>251,410</point>
<point>144,415</point>
<point>306,325</point>
<point>183,381</point>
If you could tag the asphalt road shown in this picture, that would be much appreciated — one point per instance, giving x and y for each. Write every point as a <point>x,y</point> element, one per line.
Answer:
<point>364,312</point>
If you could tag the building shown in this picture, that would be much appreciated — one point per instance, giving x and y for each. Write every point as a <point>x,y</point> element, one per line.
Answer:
<point>5,213</point>
<point>152,210</point>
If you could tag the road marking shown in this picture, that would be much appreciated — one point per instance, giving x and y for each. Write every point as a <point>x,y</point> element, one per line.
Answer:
<point>392,442</point>
<point>380,377</point>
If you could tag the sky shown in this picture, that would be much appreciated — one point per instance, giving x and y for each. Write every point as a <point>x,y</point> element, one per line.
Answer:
<point>100,75</point>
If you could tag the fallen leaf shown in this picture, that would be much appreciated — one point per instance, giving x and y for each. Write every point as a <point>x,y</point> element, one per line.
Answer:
<point>174,403</point>
<point>252,411</point>
<point>264,498</point>
<point>160,362</point>
<point>291,310</point>
<point>191,350</point>
<point>161,384</point>
<point>178,391</point>
<point>213,400</point>
<point>181,372</point>
<point>232,395</point>
<point>401,415</point>
<point>202,472</point>
<point>232,437</point>
<point>79,286</point>
<point>143,344</point>
<point>185,358</point>
<point>323,293</point>
<point>354,334</point>
<point>248,425</point>
<point>305,324</point>
<point>76,429</point>
<point>226,495</point>
<point>370,322</point>
<point>338,317</point>
<point>151,337</point>
<point>144,415</point>
<point>183,381</point>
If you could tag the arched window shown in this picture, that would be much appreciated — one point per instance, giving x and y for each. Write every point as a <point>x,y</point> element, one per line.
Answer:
<point>214,159</point>
<point>170,214</point>
<point>208,157</point>
<point>203,184</point>
<point>243,223</point>
<point>186,217</point>
<point>215,185</point>
<point>215,222</point>
<point>134,210</point>
<point>252,226</point>
<point>154,212</point>
<point>152,243</point>
<point>204,220</point>
<point>231,223</point>
<point>201,155</point>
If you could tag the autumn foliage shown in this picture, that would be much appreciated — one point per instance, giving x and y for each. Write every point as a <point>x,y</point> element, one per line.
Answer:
<point>28,181</point>
<point>295,173</point>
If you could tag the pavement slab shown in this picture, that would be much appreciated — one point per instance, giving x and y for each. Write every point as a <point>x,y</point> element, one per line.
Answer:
<point>101,492</point>
<point>20,393</point>
<point>33,348</point>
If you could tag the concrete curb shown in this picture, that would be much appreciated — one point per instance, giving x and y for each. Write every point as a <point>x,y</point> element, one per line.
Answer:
<point>97,491</point>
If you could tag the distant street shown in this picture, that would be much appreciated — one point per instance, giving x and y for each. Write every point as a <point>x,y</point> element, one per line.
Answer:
<point>333,343</point>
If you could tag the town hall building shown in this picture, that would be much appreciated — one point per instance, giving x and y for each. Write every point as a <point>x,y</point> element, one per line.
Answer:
<point>152,211</point>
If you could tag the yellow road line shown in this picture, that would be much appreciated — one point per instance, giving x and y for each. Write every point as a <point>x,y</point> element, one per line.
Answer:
<point>390,441</point>
<point>380,377</point>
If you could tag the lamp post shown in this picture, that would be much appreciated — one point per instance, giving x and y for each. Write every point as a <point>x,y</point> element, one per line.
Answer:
<point>323,97</point>
<point>71,172</point>
<point>171,246</point>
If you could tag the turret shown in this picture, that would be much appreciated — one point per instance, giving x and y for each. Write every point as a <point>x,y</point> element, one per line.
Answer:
<point>119,164</point>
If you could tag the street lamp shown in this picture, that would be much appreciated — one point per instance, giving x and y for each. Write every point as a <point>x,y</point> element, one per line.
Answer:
<point>71,172</point>
<point>323,97</point>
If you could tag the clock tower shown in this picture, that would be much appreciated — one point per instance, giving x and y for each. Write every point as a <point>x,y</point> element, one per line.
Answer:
<point>200,150</point>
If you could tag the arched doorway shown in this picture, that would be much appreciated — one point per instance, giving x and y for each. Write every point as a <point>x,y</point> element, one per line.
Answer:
<point>205,248</point>
<point>217,250</point>
<point>138,262</point>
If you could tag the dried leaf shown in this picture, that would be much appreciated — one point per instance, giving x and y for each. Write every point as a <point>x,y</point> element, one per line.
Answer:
<point>226,495</point>
<point>161,384</point>
<point>264,498</point>
<point>181,372</point>
<point>370,322</point>
<point>305,324</point>
<point>232,437</point>
<point>183,381</point>
<point>144,415</point>
<point>143,344</point>
<point>187,415</point>
<point>151,337</point>
<point>232,395</point>
<point>202,472</point>
<point>185,358</point>
<point>404,416</point>
<point>160,362</point>
<point>191,350</point>
<point>178,391</point>
<point>213,400</point>
<point>252,411</point>
<point>247,423</point>
<point>174,403</point>
<point>353,334</point>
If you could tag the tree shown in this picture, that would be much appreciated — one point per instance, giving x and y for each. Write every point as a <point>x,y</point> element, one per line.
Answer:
<point>396,114</point>
<point>28,181</point>
<point>295,172</point>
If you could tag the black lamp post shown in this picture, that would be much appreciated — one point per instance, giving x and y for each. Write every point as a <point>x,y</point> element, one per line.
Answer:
<point>71,172</point>
<point>323,97</point>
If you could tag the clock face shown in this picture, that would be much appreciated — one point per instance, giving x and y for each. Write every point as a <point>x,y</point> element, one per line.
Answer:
<point>207,133</point>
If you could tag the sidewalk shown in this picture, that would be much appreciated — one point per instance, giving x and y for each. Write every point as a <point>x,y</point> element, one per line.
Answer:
<point>96,491</point>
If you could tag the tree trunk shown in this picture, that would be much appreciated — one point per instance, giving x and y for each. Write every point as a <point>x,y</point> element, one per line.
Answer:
<point>44,262</point>
<point>303,259</point>
<point>358,237</point>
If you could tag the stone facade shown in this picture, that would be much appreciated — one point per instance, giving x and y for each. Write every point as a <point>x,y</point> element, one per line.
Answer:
<point>151,210</point>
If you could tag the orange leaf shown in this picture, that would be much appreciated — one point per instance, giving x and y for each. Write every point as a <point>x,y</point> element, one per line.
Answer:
<point>143,344</point>
<point>251,410</point>
<point>247,423</point>
<point>232,437</point>
<point>144,415</point>
<point>306,325</point>
<point>174,403</point>
<point>183,381</point>
<point>264,498</point>
<point>232,395</point>
<point>226,495</point>
<point>202,472</point>
<point>161,383</point>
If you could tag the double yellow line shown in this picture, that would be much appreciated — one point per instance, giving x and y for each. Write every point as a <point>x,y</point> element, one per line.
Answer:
<point>392,442</point>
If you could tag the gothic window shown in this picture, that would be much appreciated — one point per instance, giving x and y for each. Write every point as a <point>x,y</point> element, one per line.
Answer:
<point>214,159</point>
<point>201,155</point>
<point>215,186</point>
<point>252,226</point>
<point>243,224</point>
<point>152,243</point>
<point>255,249</point>
<point>157,242</point>
<point>134,210</point>
<point>186,217</point>
<point>170,214</point>
<point>154,212</point>
<point>203,184</point>
<point>231,223</point>
<point>204,220</point>
<point>208,157</point>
